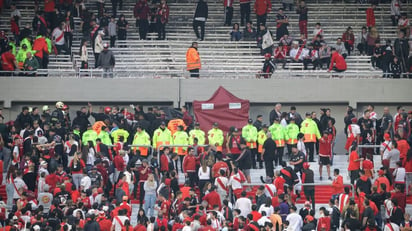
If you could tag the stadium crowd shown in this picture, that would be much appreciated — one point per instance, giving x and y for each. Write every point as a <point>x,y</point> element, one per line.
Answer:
<point>53,26</point>
<point>63,174</point>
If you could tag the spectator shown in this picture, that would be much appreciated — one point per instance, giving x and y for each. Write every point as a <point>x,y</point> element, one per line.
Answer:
<point>302,10</point>
<point>141,13</point>
<point>84,57</point>
<point>377,57</point>
<point>395,70</point>
<point>98,47</point>
<point>363,45</point>
<point>8,61</point>
<point>21,56</point>
<point>31,65</point>
<point>235,35</point>
<point>265,41</point>
<point>348,39</point>
<point>249,33</point>
<point>318,31</point>
<point>244,11</point>
<point>354,164</point>
<point>340,48</point>
<point>370,16</point>
<point>280,55</point>
<point>300,54</point>
<point>112,31</point>
<point>401,50</point>
<point>282,22</point>
<point>58,39</point>
<point>371,39</point>
<point>122,26</point>
<point>324,55</point>
<point>193,60</point>
<point>286,42</point>
<point>403,24</point>
<point>337,62</point>
<point>162,18</point>
<point>200,18</point>
<point>106,61</point>
<point>395,12</point>
<point>269,67</point>
<point>228,5</point>
<point>262,8</point>
<point>68,30</point>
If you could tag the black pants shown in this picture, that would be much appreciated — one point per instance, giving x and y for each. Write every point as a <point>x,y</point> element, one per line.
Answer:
<point>181,157</point>
<point>353,176</point>
<point>112,41</point>
<point>161,31</point>
<point>202,184</point>
<point>244,13</point>
<point>143,28</point>
<point>310,196</point>
<point>283,61</point>
<point>256,158</point>
<point>362,47</point>
<point>68,38</point>
<point>348,47</point>
<point>45,61</point>
<point>194,73</point>
<point>324,61</point>
<point>192,179</point>
<point>261,19</point>
<point>61,49</point>
<point>269,166</point>
<point>141,192</point>
<point>278,155</point>
<point>229,16</point>
<point>96,57</point>
<point>196,25</point>
<point>114,8</point>
<point>310,149</point>
<point>100,9</point>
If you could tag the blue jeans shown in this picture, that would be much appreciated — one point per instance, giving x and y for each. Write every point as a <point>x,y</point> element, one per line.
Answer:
<point>149,203</point>
<point>10,194</point>
<point>77,177</point>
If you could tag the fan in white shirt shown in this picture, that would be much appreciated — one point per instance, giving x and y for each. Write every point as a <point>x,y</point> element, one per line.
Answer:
<point>295,220</point>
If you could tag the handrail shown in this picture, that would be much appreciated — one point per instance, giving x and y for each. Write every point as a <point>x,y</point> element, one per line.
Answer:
<point>307,184</point>
<point>142,146</point>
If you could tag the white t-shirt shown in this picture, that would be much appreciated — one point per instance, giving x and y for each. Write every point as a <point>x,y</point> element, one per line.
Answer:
<point>224,181</point>
<point>395,227</point>
<point>301,147</point>
<point>19,184</point>
<point>68,147</point>
<point>57,36</point>
<point>245,206</point>
<point>263,220</point>
<point>295,222</point>
<point>355,130</point>
<point>234,183</point>
<point>393,157</point>
<point>204,175</point>
<point>86,182</point>
<point>117,226</point>
<point>268,210</point>
<point>272,188</point>
<point>399,174</point>
<point>385,148</point>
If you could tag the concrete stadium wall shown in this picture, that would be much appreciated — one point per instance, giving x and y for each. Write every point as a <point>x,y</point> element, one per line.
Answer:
<point>305,94</point>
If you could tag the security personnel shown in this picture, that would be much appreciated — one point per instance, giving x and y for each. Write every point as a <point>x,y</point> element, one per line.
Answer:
<point>180,138</point>
<point>141,138</point>
<point>249,133</point>
<point>311,132</point>
<point>104,136</point>
<point>197,133</point>
<point>292,131</point>
<point>118,132</point>
<point>193,61</point>
<point>89,135</point>
<point>278,135</point>
<point>215,137</point>
<point>162,136</point>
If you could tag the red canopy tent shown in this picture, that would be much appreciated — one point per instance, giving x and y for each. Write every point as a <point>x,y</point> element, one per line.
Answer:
<point>224,108</point>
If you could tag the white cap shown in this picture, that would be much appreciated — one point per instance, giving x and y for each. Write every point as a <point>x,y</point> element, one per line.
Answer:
<point>36,227</point>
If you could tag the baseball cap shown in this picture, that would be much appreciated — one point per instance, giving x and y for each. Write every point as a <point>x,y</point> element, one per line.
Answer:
<point>162,123</point>
<point>197,124</point>
<point>250,121</point>
<point>105,45</point>
<point>268,55</point>
<point>354,120</point>
<point>265,126</point>
<point>387,136</point>
<point>36,227</point>
<point>215,124</point>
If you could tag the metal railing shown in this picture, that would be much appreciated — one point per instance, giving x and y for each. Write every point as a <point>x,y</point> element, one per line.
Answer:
<point>307,184</point>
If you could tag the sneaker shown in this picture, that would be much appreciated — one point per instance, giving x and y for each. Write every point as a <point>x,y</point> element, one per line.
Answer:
<point>320,178</point>
<point>329,178</point>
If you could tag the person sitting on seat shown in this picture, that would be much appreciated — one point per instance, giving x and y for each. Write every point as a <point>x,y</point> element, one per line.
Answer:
<point>30,64</point>
<point>280,54</point>
<point>300,54</point>
<point>269,67</point>
<point>337,62</point>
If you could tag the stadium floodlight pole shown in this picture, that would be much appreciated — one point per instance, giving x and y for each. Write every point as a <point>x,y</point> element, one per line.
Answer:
<point>175,146</point>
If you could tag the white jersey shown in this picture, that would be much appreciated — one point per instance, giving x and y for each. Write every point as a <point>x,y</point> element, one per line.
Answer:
<point>58,36</point>
<point>354,130</point>
<point>270,190</point>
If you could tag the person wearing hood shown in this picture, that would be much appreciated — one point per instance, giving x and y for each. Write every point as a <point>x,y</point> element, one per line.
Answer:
<point>82,119</point>
<point>98,47</point>
<point>193,60</point>
<point>106,61</point>
<point>200,17</point>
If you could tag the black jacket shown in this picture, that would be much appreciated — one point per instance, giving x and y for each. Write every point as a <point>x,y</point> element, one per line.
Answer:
<point>245,160</point>
<point>92,226</point>
<point>202,10</point>
<point>23,119</point>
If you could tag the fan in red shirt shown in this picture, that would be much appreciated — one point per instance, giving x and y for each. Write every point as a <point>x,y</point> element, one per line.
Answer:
<point>337,183</point>
<point>213,198</point>
<point>218,166</point>
<point>104,223</point>
<point>337,62</point>
<point>324,220</point>
<point>164,160</point>
<point>8,60</point>
<point>370,16</point>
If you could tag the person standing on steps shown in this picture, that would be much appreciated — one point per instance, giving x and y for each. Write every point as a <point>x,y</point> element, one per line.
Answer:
<point>142,15</point>
<point>200,18</point>
<point>162,17</point>
<point>193,60</point>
